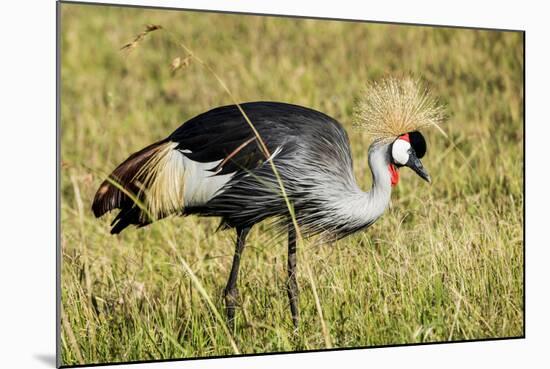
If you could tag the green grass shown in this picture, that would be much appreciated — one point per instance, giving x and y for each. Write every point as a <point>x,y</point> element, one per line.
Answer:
<point>444,263</point>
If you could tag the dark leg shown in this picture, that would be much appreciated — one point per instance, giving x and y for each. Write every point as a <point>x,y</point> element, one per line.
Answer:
<point>231,293</point>
<point>292,285</point>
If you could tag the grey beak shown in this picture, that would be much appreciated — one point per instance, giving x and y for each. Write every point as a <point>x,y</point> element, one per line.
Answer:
<point>415,164</point>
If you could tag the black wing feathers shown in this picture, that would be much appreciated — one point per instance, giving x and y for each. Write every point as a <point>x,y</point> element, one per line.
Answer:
<point>216,134</point>
<point>220,133</point>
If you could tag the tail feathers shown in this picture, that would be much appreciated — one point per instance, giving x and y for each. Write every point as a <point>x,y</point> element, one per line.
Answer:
<point>154,176</point>
<point>126,217</point>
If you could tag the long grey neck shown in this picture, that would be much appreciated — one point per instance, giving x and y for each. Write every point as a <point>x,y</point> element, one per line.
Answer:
<point>345,208</point>
<point>364,208</point>
<point>378,198</point>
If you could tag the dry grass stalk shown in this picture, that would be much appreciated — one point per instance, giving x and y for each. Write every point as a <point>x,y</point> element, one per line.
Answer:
<point>179,63</point>
<point>72,338</point>
<point>133,44</point>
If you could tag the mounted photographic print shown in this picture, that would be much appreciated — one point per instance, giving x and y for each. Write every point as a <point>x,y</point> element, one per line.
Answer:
<point>239,184</point>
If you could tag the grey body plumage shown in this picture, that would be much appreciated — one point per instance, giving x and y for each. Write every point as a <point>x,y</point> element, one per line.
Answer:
<point>213,165</point>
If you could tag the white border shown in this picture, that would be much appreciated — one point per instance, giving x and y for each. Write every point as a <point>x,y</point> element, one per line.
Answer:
<point>27,183</point>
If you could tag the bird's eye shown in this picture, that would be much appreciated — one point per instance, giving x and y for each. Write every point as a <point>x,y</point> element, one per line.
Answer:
<point>400,152</point>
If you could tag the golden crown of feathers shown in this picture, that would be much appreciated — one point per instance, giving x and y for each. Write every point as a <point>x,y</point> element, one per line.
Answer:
<point>392,107</point>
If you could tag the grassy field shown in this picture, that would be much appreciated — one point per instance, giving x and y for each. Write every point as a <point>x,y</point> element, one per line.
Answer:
<point>444,263</point>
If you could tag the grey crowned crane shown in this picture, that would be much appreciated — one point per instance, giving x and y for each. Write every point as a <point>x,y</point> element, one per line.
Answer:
<point>213,165</point>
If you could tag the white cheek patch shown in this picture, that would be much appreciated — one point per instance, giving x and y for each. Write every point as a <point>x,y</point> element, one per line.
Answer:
<point>400,151</point>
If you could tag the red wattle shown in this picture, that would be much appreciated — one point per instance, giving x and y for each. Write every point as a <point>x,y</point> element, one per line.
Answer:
<point>394,174</point>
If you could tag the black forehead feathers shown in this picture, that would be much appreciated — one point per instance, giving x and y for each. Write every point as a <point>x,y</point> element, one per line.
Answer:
<point>418,143</point>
